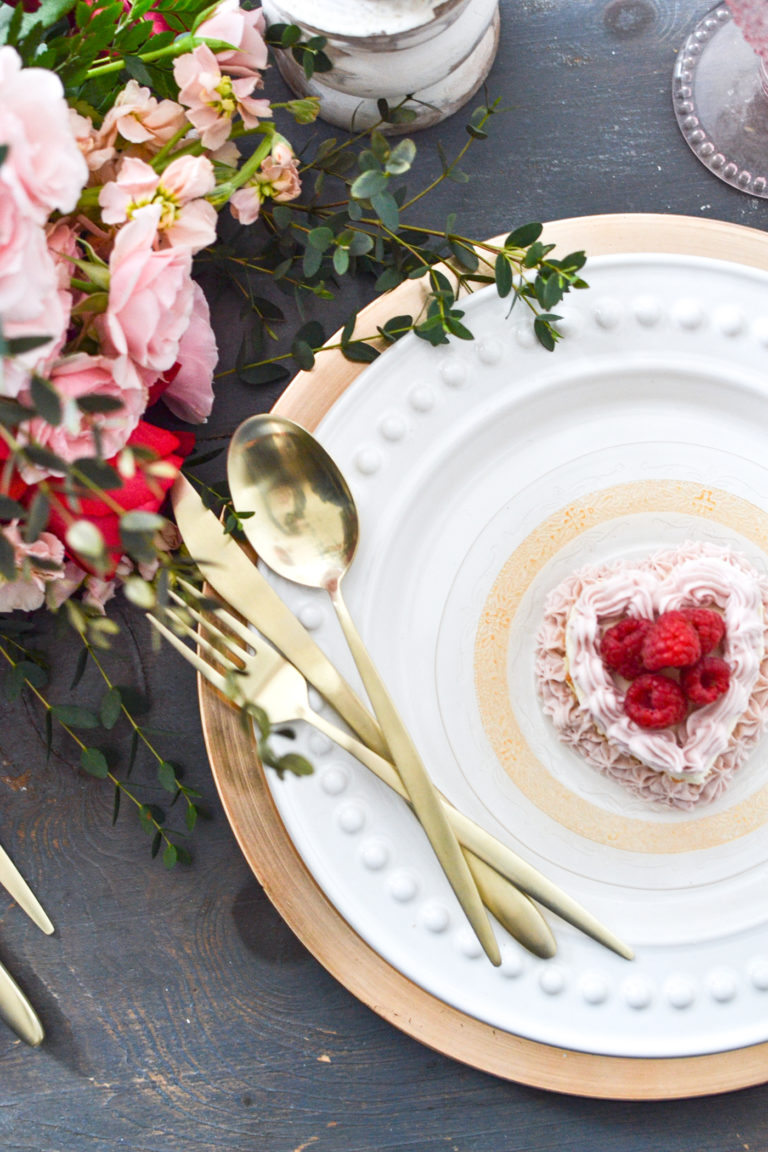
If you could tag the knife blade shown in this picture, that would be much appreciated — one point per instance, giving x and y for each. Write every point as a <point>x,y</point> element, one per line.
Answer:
<point>18,889</point>
<point>17,1011</point>
<point>237,580</point>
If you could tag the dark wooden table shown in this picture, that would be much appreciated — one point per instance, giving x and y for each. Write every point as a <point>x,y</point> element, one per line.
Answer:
<point>180,1011</point>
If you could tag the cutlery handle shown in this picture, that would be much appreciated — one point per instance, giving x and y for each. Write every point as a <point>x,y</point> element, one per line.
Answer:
<point>485,847</point>
<point>421,791</point>
<point>511,907</point>
<point>17,1011</point>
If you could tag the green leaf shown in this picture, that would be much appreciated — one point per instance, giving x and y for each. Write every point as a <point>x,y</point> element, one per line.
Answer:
<point>303,355</point>
<point>170,855</point>
<point>295,764</point>
<point>7,559</point>
<point>348,329</point>
<point>74,716</point>
<point>166,774</point>
<point>80,666</point>
<point>463,254</point>
<point>139,521</point>
<point>11,509</point>
<point>503,275</point>
<point>190,817</point>
<point>341,261</point>
<point>320,238</point>
<point>524,236</point>
<point>96,402</point>
<point>44,458</point>
<point>312,261</point>
<point>98,472</point>
<point>359,352</point>
<point>84,538</point>
<point>401,157</point>
<point>389,279</point>
<point>385,207</point>
<point>110,708</point>
<point>369,184</point>
<point>94,762</point>
<point>38,517</point>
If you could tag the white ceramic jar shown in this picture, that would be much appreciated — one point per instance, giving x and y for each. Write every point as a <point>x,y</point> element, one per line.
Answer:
<point>438,51</point>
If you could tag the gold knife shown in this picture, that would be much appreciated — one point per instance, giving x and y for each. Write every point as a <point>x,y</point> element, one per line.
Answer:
<point>17,887</point>
<point>239,582</point>
<point>17,1011</point>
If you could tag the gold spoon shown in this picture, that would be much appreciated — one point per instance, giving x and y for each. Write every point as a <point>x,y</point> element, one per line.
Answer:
<point>304,525</point>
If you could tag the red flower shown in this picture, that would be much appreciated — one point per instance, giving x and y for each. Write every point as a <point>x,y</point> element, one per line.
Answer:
<point>11,483</point>
<point>138,493</point>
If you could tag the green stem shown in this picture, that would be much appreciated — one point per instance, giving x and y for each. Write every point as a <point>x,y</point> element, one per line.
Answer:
<point>176,49</point>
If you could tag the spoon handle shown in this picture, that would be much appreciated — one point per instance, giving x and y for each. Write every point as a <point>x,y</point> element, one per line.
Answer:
<point>511,907</point>
<point>422,794</point>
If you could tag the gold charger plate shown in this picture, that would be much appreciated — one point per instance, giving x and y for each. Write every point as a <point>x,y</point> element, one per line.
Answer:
<point>280,869</point>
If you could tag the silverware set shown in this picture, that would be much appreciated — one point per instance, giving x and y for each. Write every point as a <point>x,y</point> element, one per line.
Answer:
<point>302,523</point>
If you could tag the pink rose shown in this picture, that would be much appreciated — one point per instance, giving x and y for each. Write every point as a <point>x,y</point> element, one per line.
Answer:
<point>43,158</point>
<point>230,23</point>
<point>27,593</point>
<point>151,295</point>
<point>84,375</point>
<point>190,394</point>
<point>27,274</point>
<point>213,99</point>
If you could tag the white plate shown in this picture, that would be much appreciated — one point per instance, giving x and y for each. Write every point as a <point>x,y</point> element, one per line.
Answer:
<point>484,472</point>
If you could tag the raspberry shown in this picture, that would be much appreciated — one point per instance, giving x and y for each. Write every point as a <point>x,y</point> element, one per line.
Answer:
<point>654,701</point>
<point>708,625</point>
<point>621,645</point>
<point>671,643</point>
<point>706,680</point>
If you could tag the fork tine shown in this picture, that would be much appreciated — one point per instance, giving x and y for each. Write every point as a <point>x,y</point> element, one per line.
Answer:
<point>227,618</point>
<point>202,666</point>
<point>230,644</point>
<point>216,653</point>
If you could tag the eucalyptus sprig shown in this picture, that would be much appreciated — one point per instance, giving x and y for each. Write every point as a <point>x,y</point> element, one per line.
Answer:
<point>355,222</point>
<point>27,672</point>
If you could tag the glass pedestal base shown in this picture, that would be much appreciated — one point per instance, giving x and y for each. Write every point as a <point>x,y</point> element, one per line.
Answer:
<point>721,104</point>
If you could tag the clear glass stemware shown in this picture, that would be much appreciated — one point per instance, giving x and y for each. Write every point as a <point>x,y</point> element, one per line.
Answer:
<point>720,92</point>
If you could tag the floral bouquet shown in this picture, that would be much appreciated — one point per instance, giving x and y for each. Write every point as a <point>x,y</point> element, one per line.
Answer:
<point>106,194</point>
<point>126,127</point>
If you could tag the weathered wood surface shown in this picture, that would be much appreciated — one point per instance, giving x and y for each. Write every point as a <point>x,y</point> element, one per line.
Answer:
<point>180,1012</point>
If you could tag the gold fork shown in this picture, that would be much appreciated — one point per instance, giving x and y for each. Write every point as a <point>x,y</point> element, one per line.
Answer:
<point>282,691</point>
<point>267,678</point>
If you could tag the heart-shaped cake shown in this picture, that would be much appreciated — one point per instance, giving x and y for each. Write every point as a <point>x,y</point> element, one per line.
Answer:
<point>688,753</point>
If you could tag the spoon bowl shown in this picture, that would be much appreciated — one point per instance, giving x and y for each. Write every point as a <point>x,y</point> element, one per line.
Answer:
<point>298,505</point>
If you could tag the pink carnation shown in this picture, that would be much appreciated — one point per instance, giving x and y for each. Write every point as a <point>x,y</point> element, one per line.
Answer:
<point>213,99</point>
<point>84,375</point>
<point>43,161</point>
<point>27,593</point>
<point>245,30</point>
<point>150,295</point>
